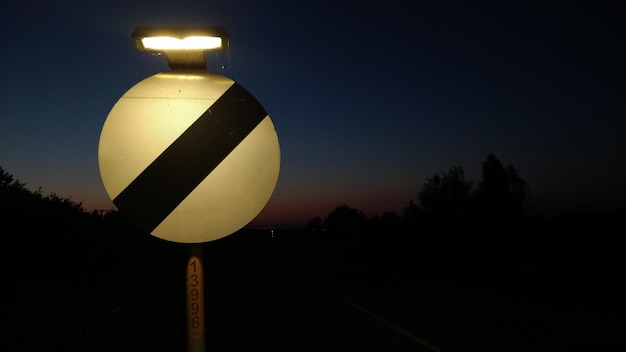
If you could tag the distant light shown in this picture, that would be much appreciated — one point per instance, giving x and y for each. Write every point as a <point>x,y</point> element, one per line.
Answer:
<point>188,43</point>
<point>183,46</point>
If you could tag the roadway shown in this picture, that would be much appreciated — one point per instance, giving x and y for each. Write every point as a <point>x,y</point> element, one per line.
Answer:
<point>291,294</point>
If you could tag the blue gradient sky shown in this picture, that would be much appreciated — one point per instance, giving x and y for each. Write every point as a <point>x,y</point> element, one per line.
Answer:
<point>368,99</point>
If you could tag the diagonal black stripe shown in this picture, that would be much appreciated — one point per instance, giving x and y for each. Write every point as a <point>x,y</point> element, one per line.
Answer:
<point>158,190</point>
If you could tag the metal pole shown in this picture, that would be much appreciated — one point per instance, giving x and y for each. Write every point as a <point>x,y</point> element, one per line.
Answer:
<point>195,300</point>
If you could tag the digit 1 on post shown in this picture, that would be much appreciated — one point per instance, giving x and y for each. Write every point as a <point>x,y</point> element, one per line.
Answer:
<point>195,300</point>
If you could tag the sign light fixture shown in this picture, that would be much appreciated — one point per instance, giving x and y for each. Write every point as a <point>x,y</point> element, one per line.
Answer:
<point>187,43</point>
<point>183,46</point>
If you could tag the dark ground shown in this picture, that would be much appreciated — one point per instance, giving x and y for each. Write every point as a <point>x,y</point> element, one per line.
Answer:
<point>296,291</point>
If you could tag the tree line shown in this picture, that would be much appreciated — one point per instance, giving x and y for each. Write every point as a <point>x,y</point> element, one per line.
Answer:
<point>446,202</point>
<point>495,209</point>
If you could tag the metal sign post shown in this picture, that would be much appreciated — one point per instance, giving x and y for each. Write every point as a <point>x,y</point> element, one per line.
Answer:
<point>195,300</point>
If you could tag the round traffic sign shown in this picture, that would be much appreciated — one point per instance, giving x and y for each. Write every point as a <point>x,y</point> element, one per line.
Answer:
<point>189,157</point>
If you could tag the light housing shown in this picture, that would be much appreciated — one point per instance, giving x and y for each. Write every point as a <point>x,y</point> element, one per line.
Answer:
<point>183,46</point>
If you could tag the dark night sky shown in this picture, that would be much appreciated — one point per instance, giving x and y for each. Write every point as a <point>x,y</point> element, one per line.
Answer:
<point>368,99</point>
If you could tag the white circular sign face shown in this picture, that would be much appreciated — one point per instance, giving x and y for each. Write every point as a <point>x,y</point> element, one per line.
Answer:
<point>189,158</point>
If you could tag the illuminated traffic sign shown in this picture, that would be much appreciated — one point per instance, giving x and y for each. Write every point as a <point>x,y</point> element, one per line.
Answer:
<point>189,157</point>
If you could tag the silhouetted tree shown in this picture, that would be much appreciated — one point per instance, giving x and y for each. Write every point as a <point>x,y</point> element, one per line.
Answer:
<point>345,220</point>
<point>14,194</point>
<point>502,193</point>
<point>411,214</point>
<point>6,182</point>
<point>387,224</point>
<point>56,252</point>
<point>446,196</point>
<point>15,198</point>
<point>520,192</point>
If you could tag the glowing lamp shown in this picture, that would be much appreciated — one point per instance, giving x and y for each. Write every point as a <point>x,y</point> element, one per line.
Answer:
<point>183,46</point>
